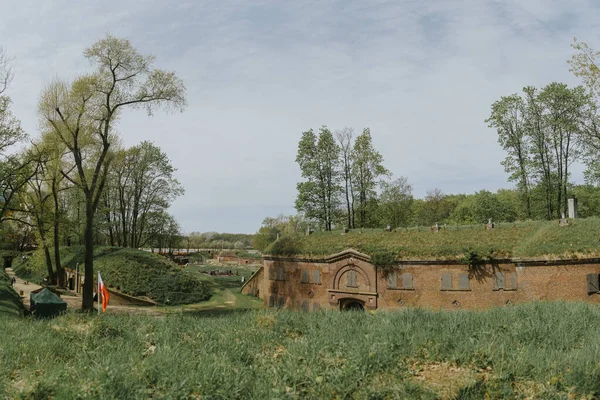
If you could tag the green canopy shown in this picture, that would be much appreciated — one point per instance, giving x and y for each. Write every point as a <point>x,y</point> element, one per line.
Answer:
<point>46,304</point>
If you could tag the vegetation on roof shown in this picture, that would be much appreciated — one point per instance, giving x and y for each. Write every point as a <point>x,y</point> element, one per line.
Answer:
<point>534,239</point>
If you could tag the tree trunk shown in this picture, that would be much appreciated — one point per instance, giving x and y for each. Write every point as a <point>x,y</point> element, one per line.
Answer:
<point>51,274</point>
<point>88,286</point>
<point>59,269</point>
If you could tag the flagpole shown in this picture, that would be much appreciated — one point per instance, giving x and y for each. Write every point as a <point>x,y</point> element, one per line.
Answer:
<point>98,293</point>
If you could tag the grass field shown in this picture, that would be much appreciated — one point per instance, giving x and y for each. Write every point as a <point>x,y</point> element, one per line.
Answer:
<point>226,295</point>
<point>536,350</point>
<point>525,239</point>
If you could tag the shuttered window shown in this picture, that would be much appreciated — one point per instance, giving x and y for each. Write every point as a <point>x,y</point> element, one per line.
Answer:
<point>351,282</point>
<point>593,285</point>
<point>505,280</point>
<point>280,274</point>
<point>498,280</point>
<point>392,280</point>
<point>446,281</point>
<point>463,281</point>
<point>316,276</point>
<point>305,276</point>
<point>512,279</point>
<point>271,273</point>
<point>305,306</point>
<point>407,280</point>
<point>271,301</point>
<point>316,306</point>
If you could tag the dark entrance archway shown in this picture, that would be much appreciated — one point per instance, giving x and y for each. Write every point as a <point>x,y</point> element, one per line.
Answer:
<point>352,305</point>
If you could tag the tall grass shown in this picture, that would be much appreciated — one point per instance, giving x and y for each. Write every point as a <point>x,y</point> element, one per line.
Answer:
<point>548,349</point>
<point>524,239</point>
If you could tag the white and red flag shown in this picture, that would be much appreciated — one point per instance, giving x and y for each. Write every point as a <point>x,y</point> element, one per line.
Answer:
<point>102,290</point>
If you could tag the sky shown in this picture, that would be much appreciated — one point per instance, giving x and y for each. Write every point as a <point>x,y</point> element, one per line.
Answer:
<point>421,75</point>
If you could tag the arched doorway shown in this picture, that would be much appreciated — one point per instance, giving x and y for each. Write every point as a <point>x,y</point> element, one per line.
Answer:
<point>352,305</point>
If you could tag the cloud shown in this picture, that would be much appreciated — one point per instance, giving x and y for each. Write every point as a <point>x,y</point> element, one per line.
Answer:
<point>421,75</point>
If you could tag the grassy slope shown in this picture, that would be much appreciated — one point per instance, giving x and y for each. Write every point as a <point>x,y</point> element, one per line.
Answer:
<point>541,350</point>
<point>10,302</point>
<point>527,239</point>
<point>134,272</point>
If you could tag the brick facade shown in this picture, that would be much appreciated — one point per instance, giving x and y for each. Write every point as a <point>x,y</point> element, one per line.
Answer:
<point>348,279</point>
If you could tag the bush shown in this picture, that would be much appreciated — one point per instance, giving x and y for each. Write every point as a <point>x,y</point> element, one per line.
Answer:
<point>285,246</point>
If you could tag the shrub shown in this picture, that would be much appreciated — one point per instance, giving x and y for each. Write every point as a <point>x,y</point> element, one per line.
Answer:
<point>285,246</point>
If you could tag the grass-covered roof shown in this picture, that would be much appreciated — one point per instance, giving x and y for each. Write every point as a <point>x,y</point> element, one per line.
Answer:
<point>533,239</point>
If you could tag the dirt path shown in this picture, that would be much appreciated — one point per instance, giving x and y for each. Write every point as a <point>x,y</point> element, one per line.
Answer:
<point>21,286</point>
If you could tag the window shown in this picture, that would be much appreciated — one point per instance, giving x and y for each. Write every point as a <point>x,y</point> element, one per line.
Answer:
<point>351,279</point>
<point>316,276</point>
<point>446,281</point>
<point>392,280</point>
<point>407,281</point>
<point>463,281</point>
<point>311,276</point>
<point>271,273</point>
<point>505,280</point>
<point>280,274</point>
<point>593,284</point>
<point>305,305</point>
<point>271,301</point>
<point>305,276</point>
<point>316,306</point>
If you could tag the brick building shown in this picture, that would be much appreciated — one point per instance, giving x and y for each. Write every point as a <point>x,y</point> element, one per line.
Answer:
<point>348,281</point>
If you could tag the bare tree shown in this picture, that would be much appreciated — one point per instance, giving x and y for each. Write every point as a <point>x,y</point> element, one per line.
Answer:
<point>345,138</point>
<point>6,72</point>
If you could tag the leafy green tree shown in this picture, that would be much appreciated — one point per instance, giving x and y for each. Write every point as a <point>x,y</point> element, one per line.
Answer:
<point>367,171</point>
<point>395,202</point>
<point>509,117</point>
<point>82,115</point>
<point>319,196</point>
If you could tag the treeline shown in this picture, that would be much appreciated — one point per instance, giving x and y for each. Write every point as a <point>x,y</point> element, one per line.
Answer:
<point>75,183</point>
<point>215,240</point>
<point>544,131</point>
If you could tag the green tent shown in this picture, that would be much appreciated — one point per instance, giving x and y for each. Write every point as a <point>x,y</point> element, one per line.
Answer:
<point>46,304</point>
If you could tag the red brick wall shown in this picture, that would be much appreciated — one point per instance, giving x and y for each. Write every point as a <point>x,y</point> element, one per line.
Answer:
<point>534,282</point>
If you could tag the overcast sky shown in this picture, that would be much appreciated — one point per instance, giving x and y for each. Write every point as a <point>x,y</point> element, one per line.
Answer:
<point>421,74</point>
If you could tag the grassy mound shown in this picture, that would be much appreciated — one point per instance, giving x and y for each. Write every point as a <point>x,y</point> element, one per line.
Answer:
<point>536,350</point>
<point>526,239</point>
<point>10,301</point>
<point>133,272</point>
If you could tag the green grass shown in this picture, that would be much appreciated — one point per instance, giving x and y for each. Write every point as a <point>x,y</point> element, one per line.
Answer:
<point>131,271</point>
<point>541,350</point>
<point>10,301</point>
<point>525,239</point>
<point>226,296</point>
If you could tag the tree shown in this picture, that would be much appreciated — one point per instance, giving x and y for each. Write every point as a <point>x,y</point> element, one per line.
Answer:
<point>140,182</point>
<point>509,119</point>
<point>366,171</point>
<point>345,138</point>
<point>318,158</point>
<point>82,116</point>
<point>395,202</point>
